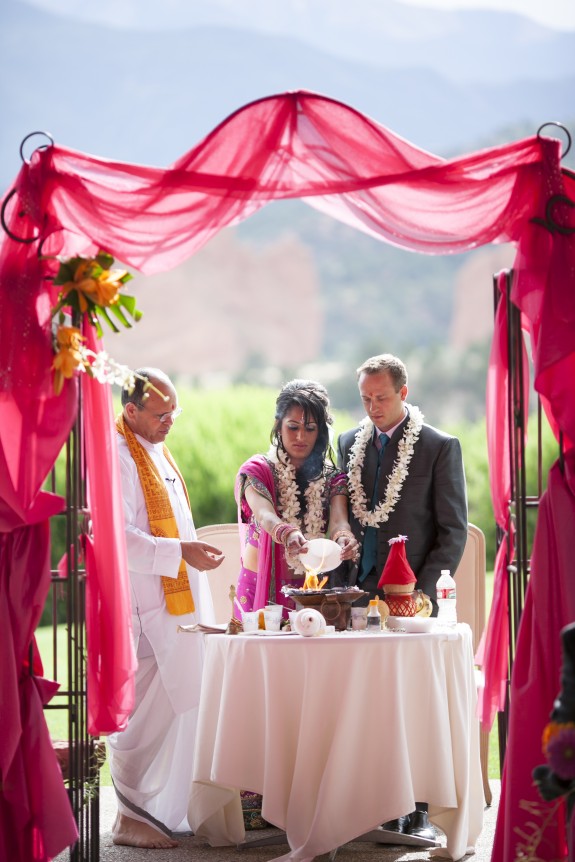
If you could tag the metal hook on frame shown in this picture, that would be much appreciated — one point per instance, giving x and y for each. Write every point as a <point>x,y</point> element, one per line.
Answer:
<point>10,195</point>
<point>549,222</point>
<point>559,126</point>
<point>39,147</point>
<point>25,240</point>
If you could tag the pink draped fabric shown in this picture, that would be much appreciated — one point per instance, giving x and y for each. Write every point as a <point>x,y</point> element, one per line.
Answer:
<point>36,820</point>
<point>295,144</point>
<point>303,145</point>
<point>536,675</point>
<point>544,291</point>
<point>33,422</point>
<point>270,556</point>
<point>497,395</point>
<point>111,656</point>
<point>492,655</point>
<point>259,469</point>
<point>292,145</point>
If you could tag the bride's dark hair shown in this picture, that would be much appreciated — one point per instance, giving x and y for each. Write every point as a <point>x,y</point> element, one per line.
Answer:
<point>313,399</point>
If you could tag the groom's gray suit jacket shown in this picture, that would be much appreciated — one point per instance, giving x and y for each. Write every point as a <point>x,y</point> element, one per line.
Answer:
<point>431,511</point>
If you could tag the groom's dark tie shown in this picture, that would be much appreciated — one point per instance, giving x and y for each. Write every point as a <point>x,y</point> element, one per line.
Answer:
<point>369,551</point>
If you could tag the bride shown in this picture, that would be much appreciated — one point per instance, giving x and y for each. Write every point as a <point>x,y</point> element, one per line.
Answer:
<point>292,494</point>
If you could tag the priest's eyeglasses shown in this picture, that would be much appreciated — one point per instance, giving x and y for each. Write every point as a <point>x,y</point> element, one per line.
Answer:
<point>164,417</point>
<point>171,414</point>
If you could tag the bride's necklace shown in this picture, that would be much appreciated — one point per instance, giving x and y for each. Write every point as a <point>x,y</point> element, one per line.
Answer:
<point>397,477</point>
<point>289,504</point>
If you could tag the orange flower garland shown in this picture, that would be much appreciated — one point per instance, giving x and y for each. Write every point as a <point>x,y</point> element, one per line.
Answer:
<point>69,356</point>
<point>89,286</point>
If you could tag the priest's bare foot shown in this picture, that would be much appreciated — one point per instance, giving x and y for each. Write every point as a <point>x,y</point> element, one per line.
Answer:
<point>134,833</point>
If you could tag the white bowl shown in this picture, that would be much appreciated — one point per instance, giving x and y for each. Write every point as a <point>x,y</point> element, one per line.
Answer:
<point>323,555</point>
<point>410,624</point>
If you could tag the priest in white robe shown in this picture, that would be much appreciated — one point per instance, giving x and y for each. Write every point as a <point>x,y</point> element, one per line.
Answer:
<point>151,761</point>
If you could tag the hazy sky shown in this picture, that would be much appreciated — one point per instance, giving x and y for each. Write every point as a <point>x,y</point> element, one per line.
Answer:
<point>559,14</point>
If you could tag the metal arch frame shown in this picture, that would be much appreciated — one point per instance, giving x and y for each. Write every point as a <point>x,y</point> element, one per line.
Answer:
<point>10,195</point>
<point>83,753</point>
<point>520,502</point>
<point>83,777</point>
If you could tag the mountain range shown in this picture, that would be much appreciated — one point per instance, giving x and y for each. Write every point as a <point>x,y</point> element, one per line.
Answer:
<point>447,81</point>
<point>143,82</point>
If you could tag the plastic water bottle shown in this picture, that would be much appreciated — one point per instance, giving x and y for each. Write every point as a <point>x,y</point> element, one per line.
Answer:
<point>373,616</point>
<point>446,599</point>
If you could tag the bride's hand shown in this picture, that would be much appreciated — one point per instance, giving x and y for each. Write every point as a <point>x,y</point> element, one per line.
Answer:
<point>296,543</point>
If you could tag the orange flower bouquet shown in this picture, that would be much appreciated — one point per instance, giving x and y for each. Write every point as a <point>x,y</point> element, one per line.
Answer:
<point>90,286</point>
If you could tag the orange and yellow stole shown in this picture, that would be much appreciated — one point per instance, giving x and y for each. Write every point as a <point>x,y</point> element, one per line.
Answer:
<point>179,599</point>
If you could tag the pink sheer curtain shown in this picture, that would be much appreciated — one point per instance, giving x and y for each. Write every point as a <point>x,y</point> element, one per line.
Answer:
<point>493,648</point>
<point>111,657</point>
<point>492,654</point>
<point>33,422</point>
<point>544,291</point>
<point>295,144</point>
<point>536,678</point>
<point>36,820</point>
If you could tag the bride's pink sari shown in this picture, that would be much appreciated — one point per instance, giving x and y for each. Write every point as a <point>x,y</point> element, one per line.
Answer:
<point>271,558</point>
<point>257,588</point>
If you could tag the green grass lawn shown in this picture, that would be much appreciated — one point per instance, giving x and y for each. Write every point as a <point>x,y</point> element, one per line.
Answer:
<point>56,713</point>
<point>57,719</point>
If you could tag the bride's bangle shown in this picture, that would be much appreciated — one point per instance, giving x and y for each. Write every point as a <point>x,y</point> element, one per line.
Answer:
<point>281,532</point>
<point>346,534</point>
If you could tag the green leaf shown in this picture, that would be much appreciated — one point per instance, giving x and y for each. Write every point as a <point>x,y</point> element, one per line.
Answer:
<point>104,259</point>
<point>74,262</point>
<point>93,318</point>
<point>125,278</point>
<point>129,303</point>
<point>62,301</point>
<point>65,273</point>
<point>117,311</point>
<point>103,312</point>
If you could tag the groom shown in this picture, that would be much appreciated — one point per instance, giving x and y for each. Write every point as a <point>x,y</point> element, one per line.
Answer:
<point>405,478</point>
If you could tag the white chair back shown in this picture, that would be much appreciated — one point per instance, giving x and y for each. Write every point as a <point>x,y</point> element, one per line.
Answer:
<point>470,585</point>
<point>227,538</point>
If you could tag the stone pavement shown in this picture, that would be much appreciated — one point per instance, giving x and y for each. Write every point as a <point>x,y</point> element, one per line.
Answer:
<point>196,849</point>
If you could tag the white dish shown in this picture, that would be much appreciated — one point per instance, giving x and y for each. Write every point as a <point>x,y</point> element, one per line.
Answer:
<point>264,632</point>
<point>410,624</point>
<point>323,555</point>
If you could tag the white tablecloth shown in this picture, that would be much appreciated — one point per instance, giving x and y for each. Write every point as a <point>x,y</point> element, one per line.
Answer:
<point>339,734</point>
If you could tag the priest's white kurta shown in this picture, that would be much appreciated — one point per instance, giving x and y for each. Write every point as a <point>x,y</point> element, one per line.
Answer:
<point>151,762</point>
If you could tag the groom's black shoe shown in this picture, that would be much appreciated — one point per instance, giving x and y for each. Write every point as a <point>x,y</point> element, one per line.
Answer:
<point>400,824</point>
<point>420,826</point>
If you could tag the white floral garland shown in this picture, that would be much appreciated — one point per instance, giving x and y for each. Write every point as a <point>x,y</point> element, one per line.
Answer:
<point>289,505</point>
<point>397,477</point>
